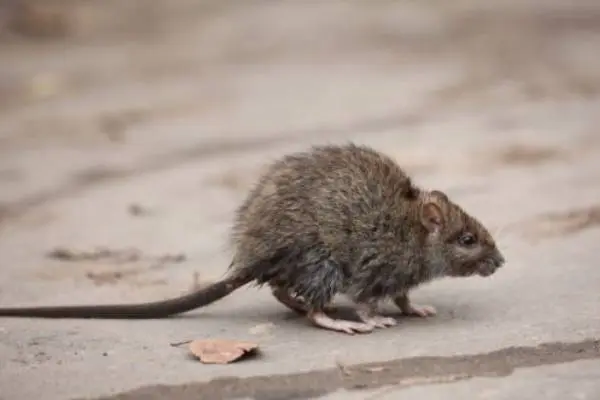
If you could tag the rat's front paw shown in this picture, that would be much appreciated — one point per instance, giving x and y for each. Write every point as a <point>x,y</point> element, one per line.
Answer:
<point>379,321</point>
<point>419,311</point>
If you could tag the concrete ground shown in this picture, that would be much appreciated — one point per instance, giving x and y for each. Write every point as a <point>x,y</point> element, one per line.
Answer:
<point>139,130</point>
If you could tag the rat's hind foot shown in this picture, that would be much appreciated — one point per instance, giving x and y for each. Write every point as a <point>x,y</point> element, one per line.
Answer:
<point>368,314</point>
<point>408,308</point>
<point>322,320</point>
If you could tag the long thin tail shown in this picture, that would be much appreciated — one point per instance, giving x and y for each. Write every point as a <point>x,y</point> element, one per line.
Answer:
<point>150,310</point>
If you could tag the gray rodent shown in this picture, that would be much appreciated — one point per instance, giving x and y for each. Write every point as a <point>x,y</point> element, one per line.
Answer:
<point>334,219</point>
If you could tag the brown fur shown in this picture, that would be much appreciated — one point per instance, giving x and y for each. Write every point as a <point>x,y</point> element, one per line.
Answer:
<point>332,220</point>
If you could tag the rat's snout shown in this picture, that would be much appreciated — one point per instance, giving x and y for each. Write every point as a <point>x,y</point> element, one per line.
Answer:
<point>497,260</point>
<point>491,264</point>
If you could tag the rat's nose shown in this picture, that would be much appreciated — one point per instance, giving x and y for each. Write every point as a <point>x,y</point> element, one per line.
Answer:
<point>498,260</point>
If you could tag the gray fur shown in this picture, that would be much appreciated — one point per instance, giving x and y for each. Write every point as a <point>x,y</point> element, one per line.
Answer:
<point>344,219</point>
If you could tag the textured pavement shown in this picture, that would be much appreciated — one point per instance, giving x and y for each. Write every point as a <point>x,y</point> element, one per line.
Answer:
<point>145,138</point>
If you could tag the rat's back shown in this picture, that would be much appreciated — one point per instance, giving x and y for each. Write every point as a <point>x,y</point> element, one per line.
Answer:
<point>318,199</point>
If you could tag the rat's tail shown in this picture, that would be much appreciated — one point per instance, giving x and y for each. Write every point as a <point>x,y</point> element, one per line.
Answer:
<point>150,310</point>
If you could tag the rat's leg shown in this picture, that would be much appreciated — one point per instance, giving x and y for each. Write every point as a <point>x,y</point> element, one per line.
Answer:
<point>294,303</point>
<point>317,279</point>
<point>405,305</point>
<point>287,300</point>
<point>322,320</point>
<point>367,312</point>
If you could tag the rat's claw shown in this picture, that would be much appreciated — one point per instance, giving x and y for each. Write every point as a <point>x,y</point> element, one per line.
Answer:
<point>358,327</point>
<point>349,327</point>
<point>379,321</point>
<point>368,314</point>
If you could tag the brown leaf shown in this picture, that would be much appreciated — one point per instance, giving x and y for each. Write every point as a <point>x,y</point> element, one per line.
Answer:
<point>221,351</point>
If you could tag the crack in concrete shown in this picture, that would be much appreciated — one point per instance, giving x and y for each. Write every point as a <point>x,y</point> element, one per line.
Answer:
<point>401,372</point>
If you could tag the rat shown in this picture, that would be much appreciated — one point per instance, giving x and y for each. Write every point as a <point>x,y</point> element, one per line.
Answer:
<point>332,219</point>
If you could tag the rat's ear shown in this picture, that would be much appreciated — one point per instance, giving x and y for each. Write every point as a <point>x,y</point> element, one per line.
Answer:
<point>441,196</point>
<point>432,217</point>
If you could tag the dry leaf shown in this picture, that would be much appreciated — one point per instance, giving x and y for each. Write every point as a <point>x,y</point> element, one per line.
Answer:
<point>221,351</point>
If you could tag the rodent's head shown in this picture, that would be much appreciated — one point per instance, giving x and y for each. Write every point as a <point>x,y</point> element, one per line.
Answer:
<point>457,244</point>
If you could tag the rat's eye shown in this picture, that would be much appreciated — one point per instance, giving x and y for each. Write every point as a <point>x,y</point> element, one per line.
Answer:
<point>467,240</point>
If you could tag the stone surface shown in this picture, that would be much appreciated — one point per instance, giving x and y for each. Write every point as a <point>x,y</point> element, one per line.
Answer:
<point>148,139</point>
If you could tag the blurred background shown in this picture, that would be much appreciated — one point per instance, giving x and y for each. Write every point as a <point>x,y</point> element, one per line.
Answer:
<point>176,105</point>
<point>111,83</point>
